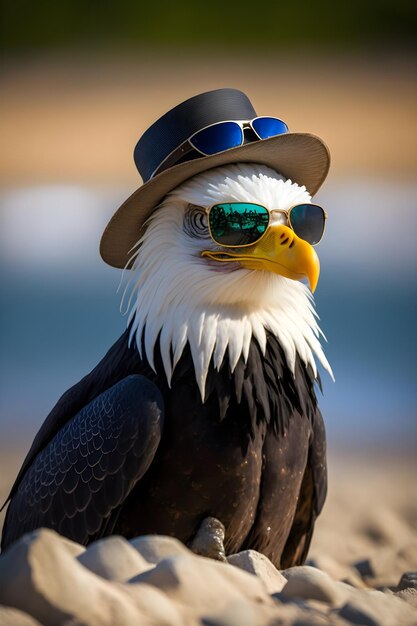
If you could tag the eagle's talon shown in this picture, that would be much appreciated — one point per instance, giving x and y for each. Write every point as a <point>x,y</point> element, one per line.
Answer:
<point>209,539</point>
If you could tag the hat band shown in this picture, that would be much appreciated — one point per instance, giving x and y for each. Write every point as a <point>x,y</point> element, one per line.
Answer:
<point>222,136</point>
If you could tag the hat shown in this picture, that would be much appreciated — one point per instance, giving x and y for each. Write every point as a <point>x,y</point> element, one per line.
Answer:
<point>159,158</point>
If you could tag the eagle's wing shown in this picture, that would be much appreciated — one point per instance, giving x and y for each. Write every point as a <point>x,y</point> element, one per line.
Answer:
<point>77,482</point>
<point>311,499</point>
<point>119,362</point>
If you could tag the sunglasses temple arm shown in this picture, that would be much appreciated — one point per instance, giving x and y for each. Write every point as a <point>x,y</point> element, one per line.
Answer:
<point>173,157</point>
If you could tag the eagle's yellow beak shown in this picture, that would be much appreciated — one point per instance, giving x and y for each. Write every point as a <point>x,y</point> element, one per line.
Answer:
<point>279,251</point>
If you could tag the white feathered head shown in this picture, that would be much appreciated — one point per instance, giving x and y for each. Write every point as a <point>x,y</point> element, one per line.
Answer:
<point>186,288</point>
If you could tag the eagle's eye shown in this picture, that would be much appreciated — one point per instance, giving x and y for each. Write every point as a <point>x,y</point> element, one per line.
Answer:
<point>195,221</point>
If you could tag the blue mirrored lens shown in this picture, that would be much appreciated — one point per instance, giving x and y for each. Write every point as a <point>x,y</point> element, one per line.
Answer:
<point>307,221</point>
<point>238,223</point>
<point>266,127</point>
<point>217,138</point>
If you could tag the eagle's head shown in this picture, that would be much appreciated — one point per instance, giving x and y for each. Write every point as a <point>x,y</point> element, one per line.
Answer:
<point>186,288</point>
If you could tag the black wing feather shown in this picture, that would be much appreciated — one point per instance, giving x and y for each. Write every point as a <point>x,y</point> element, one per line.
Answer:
<point>73,485</point>
<point>119,362</point>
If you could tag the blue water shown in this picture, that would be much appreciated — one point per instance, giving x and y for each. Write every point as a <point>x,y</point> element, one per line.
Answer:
<point>58,320</point>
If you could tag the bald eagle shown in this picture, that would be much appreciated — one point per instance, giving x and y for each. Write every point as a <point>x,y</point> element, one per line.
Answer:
<point>206,405</point>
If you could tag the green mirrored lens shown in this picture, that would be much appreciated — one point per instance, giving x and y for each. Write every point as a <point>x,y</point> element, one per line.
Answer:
<point>307,221</point>
<point>238,223</point>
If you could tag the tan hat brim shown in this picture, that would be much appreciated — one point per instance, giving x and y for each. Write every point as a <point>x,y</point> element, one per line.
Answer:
<point>301,157</point>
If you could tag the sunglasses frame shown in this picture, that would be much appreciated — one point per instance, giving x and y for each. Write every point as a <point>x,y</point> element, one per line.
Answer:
<point>187,146</point>
<point>286,212</point>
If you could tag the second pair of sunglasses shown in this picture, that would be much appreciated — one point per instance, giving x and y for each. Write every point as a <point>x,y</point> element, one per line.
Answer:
<point>222,136</point>
<point>236,224</point>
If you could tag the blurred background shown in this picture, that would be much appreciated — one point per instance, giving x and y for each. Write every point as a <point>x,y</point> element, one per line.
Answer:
<point>82,81</point>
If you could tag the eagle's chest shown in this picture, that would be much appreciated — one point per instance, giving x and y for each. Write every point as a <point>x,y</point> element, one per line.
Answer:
<point>216,457</point>
<point>204,466</point>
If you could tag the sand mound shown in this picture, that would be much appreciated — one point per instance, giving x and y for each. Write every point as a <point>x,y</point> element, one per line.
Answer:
<point>155,580</point>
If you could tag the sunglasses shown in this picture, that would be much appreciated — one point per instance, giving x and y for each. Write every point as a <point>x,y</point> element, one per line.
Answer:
<point>223,136</point>
<point>239,224</point>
